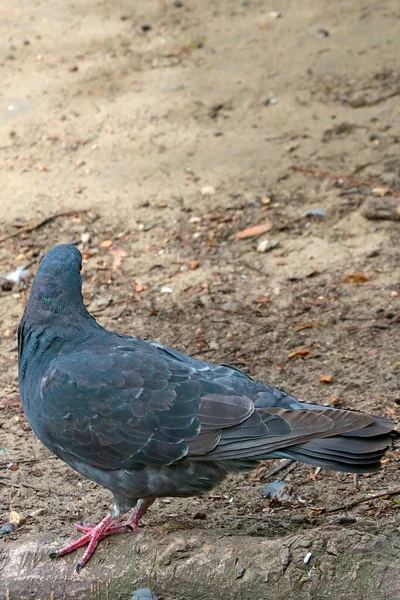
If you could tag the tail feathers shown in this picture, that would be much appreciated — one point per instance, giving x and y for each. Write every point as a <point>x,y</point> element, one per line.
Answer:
<point>354,452</point>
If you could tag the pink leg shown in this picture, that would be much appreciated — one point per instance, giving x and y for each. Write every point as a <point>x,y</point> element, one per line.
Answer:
<point>139,511</point>
<point>94,533</point>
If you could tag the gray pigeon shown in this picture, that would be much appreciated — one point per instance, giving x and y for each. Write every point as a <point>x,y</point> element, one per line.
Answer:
<point>146,421</point>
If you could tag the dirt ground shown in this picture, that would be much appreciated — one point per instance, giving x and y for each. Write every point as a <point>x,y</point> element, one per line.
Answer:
<point>168,127</point>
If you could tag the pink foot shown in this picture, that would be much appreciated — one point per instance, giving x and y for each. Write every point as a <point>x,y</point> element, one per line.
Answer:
<point>94,533</point>
<point>88,528</point>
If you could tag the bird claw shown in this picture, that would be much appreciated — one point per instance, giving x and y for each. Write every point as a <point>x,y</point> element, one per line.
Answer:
<point>79,565</point>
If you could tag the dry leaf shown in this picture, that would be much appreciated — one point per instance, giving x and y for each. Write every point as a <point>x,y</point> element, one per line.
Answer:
<point>262,299</point>
<point>250,232</point>
<point>118,255</point>
<point>299,353</point>
<point>325,378</point>
<point>194,265</point>
<point>139,288</point>
<point>106,244</point>
<point>356,278</point>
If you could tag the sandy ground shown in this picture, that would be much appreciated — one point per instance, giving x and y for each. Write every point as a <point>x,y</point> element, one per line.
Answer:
<point>168,129</point>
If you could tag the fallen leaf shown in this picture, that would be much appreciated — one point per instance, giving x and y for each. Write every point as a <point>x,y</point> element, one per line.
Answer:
<point>250,232</point>
<point>118,254</point>
<point>194,265</point>
<point>356,278</point>
<point>106,244</point>
<point>139,288</point>
<point>325,378</point>
<point>262,300</point>
<point>299,353</point>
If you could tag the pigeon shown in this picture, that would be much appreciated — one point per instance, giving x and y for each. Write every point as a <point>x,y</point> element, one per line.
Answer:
<point>147,421</point>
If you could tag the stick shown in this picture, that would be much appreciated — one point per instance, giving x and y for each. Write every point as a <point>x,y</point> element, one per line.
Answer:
<point>360,501</point>
<point>352,180</point>
<point>277,469</point>
<point>29,228</point>
<point>290,469</point>
<point>32,487</point>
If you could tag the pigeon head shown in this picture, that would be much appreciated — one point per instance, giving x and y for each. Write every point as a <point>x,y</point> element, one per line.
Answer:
<point>57,286</point>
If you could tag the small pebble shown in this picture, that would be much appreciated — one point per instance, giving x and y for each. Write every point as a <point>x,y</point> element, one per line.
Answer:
<point>267,245</point>
<point>200,515</point>
<point>104,301</point>
<point>307,558</point>
<point>230,306</point>
<point>373,252</point>
<point>314,212</point>
<point>145,26</point>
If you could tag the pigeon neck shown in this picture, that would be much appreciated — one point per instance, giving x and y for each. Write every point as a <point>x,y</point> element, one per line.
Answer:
<point>51,297</point>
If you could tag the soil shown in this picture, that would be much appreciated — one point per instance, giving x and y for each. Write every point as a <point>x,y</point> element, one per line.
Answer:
<point>167,128</point>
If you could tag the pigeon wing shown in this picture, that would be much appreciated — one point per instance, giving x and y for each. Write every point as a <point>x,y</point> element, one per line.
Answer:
<point>120,407</point>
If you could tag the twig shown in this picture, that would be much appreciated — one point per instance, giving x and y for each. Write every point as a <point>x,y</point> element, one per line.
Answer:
<point>360,501</point>
<point>33,487</point>
<point>344,318</point>
<point>277,469</point>
<point>320,511</point>
<point>290,469</point>
<point>29,228</point>
<point>348,178</point>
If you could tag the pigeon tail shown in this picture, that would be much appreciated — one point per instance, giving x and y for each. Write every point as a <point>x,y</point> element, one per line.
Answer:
<point>359,451</point>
